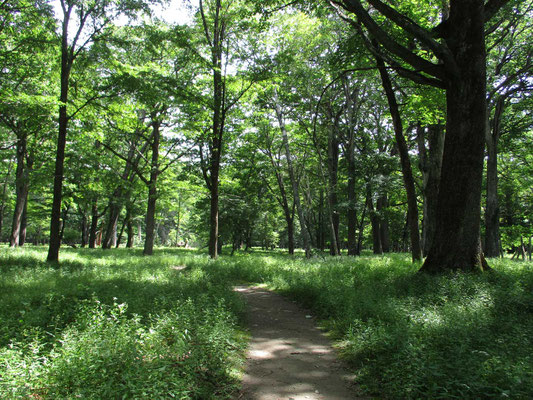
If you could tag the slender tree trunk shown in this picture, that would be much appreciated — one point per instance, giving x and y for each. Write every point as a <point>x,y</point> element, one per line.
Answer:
<point>361,228</point>
<point>24,223</point>
<point>457,237</point>
<point>352,210</point>
<point>84,230</point>
<point>492,212</point>
<point>94,224</point>
<point>4,197</point>
<point>129,243</point>
<point>55,221</point>
<point>384,235</point>
<point>374,221</point>
<point>333,167</point>
<point>152,191</point>
<point>22,187</point>
<point>407,172</point>
<point>294,182</point>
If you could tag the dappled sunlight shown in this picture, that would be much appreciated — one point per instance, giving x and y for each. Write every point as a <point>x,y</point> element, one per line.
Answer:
<point>288,357</point>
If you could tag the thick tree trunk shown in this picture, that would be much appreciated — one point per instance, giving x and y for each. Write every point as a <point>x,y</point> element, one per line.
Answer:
<point>22,187</point>
<point>431,165</point>
<point>152,191</point>
<point>407,172</point>
<point>492,211</point>
<point>129,243</point>
<point>456,244</point>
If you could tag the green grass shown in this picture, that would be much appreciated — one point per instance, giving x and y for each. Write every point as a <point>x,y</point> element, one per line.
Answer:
<point>410,335</point>
<point>114,325</point>
<point>118,325</point>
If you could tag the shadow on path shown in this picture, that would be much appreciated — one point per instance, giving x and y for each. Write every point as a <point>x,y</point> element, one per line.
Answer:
<point>288,357</point>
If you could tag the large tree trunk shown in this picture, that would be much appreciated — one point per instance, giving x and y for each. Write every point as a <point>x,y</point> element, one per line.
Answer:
<point>407,172</point>
<point>22,187</point>
<point>152,191</point>
<point>456,244</point>
<point>216,147</point>
<point>430,165</point>
<point>129,243</point>
<point>492,212</point>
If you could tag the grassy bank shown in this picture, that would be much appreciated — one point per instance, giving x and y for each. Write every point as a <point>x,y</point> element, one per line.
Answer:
<point>114,325</point>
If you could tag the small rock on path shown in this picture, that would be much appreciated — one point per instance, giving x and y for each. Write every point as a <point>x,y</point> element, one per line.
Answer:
<point>288,357</point>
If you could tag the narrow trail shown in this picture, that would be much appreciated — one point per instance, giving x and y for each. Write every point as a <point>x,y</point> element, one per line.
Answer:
<point>288,357</point>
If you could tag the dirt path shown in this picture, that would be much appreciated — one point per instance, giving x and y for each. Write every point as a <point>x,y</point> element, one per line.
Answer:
<point>288,357</point>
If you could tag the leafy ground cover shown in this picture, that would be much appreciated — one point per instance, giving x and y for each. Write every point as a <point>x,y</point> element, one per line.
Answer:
<point>410,335</point>
<point>118,325</point>
<point>115,325</point>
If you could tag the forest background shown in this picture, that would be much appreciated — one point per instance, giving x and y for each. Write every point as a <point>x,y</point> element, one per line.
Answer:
<point>311,144</point>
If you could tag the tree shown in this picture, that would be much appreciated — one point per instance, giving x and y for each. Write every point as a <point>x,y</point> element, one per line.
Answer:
<point>90,18</point>
<point>458,43</point>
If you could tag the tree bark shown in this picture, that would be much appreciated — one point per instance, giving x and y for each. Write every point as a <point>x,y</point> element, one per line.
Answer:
<point>4,197</point>
<point>333,167</point>
<point>456,244</point>
<point>22,187</point>
<point>67,60</point>
<point>24,223</point>
<point>407,172</point>
<point>492,211</point>
<point>431,165</point>
<point>352,210</point>
<point>384,234</point>
<point>294,182</point>
<point>94,224</point>
<point>152,191</point>
<point>374,221</point>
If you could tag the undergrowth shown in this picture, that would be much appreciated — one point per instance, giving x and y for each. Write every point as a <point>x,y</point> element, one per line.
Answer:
<point>409,335</point>
<point>116,325</point>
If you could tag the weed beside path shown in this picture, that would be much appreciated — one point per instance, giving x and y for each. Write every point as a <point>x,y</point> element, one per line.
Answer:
<point>116,325</point>
<point>410,335</point>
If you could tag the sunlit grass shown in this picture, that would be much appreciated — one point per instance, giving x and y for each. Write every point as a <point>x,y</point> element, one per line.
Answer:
<point>112,324</point>
<point>116,325</point>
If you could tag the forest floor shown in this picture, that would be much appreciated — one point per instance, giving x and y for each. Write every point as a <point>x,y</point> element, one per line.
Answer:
<point>288,357</point>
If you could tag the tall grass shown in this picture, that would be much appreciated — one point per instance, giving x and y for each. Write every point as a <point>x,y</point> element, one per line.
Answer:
<point>114,325</point>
